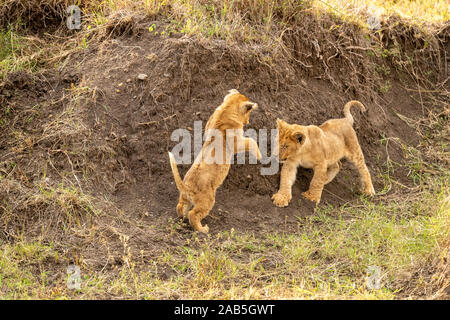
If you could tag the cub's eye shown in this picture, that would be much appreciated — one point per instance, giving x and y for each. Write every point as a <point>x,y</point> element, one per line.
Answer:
<point>249,107</point>
<point>300,139</point>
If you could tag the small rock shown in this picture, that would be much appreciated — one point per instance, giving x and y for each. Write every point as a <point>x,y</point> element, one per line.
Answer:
<point>120,84</point>
<point>128,80</point>
<point>142,76</point>
<point>152,57</point>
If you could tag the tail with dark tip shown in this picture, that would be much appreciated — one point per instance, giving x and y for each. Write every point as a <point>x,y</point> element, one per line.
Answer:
<point>347,107</point>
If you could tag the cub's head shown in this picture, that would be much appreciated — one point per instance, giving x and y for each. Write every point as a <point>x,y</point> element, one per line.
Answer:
<point>235,110</point>
<point>291,139</point>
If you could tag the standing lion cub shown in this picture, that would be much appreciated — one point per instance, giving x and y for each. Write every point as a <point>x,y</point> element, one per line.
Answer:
<point>209,170</point>
<point>320,148</point>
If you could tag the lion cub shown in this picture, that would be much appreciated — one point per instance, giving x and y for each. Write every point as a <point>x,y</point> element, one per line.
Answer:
<point>206,174</point>
<point>320,148</point>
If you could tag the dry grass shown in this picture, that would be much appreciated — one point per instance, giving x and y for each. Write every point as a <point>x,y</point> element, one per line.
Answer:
<point>423,12</point>
<point>328,258</point>
<point>49,219</point>
<point>271,26</point>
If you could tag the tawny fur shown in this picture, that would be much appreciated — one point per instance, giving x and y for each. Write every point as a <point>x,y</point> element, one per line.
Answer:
<point>198,189</point>
<point>319,148</point>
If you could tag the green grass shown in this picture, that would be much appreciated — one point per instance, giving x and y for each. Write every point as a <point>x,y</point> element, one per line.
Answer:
<point>329,257</point>
<point>16,52</point>
<point>263,20</point>
<point>22,274</point>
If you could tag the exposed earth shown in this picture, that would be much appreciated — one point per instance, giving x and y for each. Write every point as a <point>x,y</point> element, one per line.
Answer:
<point>93,126</point>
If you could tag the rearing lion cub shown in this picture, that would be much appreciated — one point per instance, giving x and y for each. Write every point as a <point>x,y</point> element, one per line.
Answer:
<point>320,148</point>
<point>207,174</point>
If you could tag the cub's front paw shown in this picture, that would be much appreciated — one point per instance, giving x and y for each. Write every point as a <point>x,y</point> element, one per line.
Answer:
<point>281,200</point>
<point>311,197</point>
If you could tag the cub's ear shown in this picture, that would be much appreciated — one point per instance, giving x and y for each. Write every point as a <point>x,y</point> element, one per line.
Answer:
<point>248,107</point>
<point>298,136</point>
<point>230,93</point>
<point>280,123</point>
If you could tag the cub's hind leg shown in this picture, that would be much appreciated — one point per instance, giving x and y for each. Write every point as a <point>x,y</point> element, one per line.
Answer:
<point>203,203</point>
<point>357,158</point>
<point>183,207</point>
<point>332,171</point>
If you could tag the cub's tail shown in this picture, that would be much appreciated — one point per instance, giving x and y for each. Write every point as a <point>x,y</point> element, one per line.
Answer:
<point>347,107</point>
<point>176,174</point>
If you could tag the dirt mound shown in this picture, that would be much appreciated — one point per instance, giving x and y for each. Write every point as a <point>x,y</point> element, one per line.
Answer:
<point>117,127</point>
<point>87,145</point>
